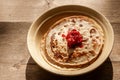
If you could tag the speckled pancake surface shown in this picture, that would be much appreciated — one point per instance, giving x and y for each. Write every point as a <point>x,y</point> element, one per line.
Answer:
<point>74,42</point>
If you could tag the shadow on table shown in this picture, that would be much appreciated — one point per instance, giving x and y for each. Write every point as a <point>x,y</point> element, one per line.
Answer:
<point>34,72</point>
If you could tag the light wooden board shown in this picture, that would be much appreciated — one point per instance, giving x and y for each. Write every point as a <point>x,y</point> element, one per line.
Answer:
<point>28,10</point>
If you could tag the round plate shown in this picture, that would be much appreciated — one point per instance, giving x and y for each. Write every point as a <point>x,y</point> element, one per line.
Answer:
<point>40,26</point>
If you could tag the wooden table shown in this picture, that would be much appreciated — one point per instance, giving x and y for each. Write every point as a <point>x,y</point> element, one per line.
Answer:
<point>16,17</point>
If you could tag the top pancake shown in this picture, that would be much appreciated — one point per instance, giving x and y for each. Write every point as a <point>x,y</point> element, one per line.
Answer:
<point>56,46</point>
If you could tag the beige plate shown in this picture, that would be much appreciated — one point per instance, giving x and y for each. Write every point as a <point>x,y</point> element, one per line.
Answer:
<point>42,24</point>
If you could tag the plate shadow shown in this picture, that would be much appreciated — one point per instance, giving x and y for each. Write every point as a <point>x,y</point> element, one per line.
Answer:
<point>34,72</point>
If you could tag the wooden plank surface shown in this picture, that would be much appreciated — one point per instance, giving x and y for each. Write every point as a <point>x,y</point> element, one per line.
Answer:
<point>28,10</point>
<point>16,17</point>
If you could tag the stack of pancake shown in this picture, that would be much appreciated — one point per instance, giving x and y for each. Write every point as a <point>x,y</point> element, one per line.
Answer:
<point>82,52</point>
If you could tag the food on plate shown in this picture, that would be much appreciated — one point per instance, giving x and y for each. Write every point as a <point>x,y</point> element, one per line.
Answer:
<point>74,42</point>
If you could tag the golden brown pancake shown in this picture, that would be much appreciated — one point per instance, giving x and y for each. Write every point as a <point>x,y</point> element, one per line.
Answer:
<point>74,42</point>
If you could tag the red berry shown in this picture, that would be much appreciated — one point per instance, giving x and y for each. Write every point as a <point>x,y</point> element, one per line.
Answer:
<point>74,39</point>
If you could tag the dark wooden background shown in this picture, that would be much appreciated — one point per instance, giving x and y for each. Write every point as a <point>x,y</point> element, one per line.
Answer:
<point>16,17</point>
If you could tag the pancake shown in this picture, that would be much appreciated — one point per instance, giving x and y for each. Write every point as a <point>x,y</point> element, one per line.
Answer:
<point>74,42</point>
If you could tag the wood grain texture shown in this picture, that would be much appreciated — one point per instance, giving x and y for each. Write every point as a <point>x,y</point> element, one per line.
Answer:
<point>13,50</point>
<point>16,17</point>
<point>28,10</point>
<point>13,46</point>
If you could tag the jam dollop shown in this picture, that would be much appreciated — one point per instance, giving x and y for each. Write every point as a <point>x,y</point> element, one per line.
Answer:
<point>74,38</point>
